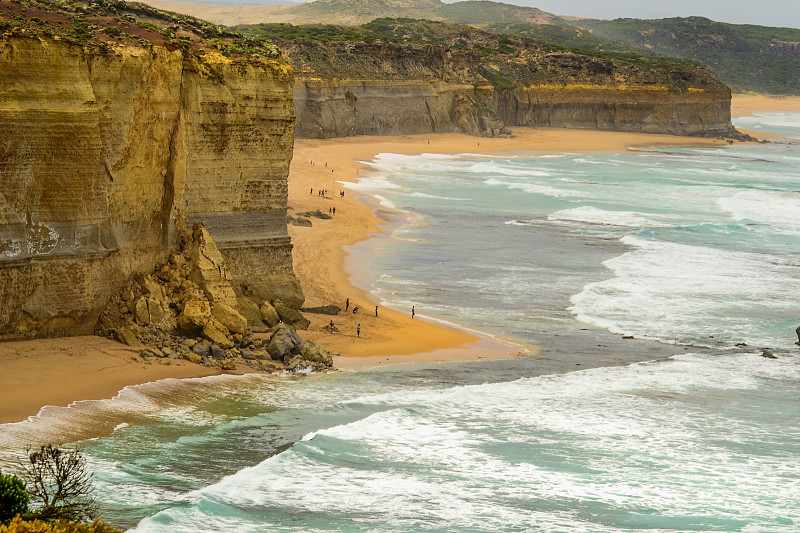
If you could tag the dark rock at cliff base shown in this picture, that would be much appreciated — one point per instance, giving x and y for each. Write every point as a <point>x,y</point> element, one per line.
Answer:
<point>290,316</point>
<point>302,221</point>
<point>284,342</point>
<point>767,354</point>
<point>248,354</point>
<point>201,350</point>
<point>322,310</point>
<point>318,213</point>
<point>216,351</point>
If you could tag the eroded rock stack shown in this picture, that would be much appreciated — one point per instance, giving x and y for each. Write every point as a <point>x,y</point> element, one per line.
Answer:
<point>188,308</point>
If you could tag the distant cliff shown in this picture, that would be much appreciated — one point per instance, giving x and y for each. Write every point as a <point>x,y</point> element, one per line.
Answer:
<point>397,76</point>
<point>119,126</point>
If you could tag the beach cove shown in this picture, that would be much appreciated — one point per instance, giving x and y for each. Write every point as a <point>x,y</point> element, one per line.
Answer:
<point>320,265</point>
<point>497,440</point>
<point>319,259</point>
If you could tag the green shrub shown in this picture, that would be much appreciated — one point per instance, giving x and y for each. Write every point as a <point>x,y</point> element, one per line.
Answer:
<point>13,497</point>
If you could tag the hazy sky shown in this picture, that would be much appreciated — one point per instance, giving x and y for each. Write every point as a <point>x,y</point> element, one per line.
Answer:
<point>763,12</point>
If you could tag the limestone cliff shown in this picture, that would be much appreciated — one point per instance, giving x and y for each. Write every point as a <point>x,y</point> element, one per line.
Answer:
<point>395,76</point>
<point>110,141</point>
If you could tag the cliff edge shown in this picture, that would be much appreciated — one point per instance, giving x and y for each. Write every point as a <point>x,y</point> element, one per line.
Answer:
<point>403,76</point>
<point>120,126</point>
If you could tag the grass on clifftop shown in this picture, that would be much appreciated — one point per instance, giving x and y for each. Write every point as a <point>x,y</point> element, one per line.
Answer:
<point>463,38</point>
<point>107,22</point>
<point>423,49</point>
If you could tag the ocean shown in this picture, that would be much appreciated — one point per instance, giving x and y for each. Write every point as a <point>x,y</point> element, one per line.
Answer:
<point>657,276</point>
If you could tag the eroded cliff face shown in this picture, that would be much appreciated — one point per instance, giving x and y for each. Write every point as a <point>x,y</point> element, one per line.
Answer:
<point>341,108</point>
<point>106,150</point>
<point>344,89</point>
<point>640,109</point>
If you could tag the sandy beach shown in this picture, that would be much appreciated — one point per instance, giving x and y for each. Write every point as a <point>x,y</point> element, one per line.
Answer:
<point>743,105</point>
<point>319,251</point>
<point>61,371</point>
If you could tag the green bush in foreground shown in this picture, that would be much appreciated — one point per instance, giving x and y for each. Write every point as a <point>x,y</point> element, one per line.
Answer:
<point>13,497</point>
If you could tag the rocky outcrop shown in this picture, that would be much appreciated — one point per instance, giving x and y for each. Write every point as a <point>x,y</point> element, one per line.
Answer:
<point>344,89</point>
<point>107,148</point>
<point>179,298</point>
<point>285,345</point>
<point>180,311</point>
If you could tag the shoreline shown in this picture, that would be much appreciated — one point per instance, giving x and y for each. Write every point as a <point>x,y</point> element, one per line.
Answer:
<point>96,369</point>
<point>61,371</point>
<point>328,256</point>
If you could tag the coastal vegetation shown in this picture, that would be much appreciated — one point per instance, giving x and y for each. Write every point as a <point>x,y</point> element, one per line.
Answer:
<point>105,23</point>
<point>509,55</point>
<point>746,57</point>
<point>356,12</point>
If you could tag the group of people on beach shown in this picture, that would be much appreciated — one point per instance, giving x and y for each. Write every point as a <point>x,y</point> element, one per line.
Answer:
<point>355,311</point>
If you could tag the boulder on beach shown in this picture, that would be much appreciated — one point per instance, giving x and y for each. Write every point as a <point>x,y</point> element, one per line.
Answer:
<point>316,354</point>
<point>252,313</point>
<point>318,214</point>
<point>230,318</point>
<point>284,342</point>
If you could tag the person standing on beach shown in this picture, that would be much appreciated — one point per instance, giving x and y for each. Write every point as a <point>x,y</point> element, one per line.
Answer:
<point>346,305</point>
<point>312,190</point>
<point>376,311</point>
<point>334,210</point>
<point>412,312</point>
<point>358,331</point>
<point>331,326</point>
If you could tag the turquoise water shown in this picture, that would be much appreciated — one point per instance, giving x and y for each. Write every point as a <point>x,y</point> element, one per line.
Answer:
<point>691,251</point>
<point>692,246</point>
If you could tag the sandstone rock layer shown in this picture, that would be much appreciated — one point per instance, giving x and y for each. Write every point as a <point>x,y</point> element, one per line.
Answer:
<point>344,89</point>
<point>105,151</point>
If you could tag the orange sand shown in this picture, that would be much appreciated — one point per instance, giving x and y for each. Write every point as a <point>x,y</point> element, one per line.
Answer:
<point>61,371</point>
<point>743,105</point>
